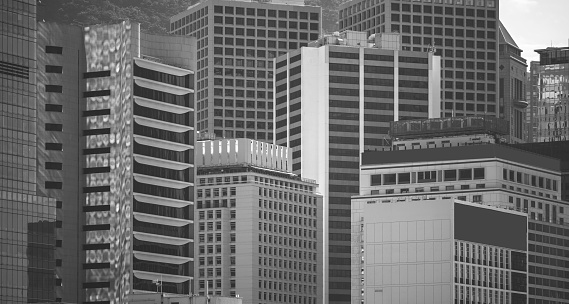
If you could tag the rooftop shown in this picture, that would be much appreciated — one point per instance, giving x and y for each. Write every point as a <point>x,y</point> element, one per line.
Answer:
<point>448,126</point>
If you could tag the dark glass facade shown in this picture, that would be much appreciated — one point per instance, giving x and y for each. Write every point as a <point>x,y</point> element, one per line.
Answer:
<point>27,219</point>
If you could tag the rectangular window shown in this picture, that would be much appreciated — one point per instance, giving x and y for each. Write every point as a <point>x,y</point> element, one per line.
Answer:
<point>376,180</point>
<point>49,107</point>
<point>427,176</point>
<point>54,146</point>
<point>465,174</point>
<point>49,49</point>
<point>53,88</point>
<point>404,178</point>
<point>54,69</point>
<point>53,185</point>
<point>96,74</point>
<point>450,175</point>
<point>53,165</point>
<point>479,173</point>
<point>53,127</point>
<point>389,179</point>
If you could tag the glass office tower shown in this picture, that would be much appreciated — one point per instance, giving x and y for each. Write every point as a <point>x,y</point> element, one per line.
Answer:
<point>27,239</point>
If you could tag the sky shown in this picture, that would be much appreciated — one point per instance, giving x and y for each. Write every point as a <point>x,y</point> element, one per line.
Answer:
<point>536,24</point>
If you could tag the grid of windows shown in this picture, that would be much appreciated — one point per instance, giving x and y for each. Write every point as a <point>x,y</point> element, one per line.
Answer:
<point>463,32</point>
<point>234,96</point>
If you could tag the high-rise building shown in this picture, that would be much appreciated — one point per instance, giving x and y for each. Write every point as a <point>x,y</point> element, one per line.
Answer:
<point>465,34</point>
<point>333,101</point>
<point>258,226</point>
<point>549,93</point>
<point>27,216</point>
<point>512,88</point>
<point>497,175</point>
<point>237,42</point>
<point>437,251</point>
<point>116,138</point>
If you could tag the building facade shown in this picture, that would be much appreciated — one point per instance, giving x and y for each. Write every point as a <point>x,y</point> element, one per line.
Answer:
<point>258,226</point>
<point>489,174</point>
<point>27,215</point>
<point>512,88</point>
<point>124,151</point>
<point>428,251</point>
<point>336,99</point>
<point>237,42</point>
<point>465,34</point>
<point>550,95</point>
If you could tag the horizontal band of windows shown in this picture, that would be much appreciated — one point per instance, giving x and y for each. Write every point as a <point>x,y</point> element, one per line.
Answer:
<point>378,141</point>
<point>53,185</point>
<point>348,104</point>
<point>280,64</point>
<point>281,135</point>
<point>344,128</point>
<point>379,82</point>
<point>344,140</point>
<point>53,165</point>
<point>50,88</point>
<point>97,151</point>
<point>96,131</point>
<point>344,176</point>
<point>344,116</point>
<point>344,152</point>
<point>378,69</point>
<point>344,55</point>
<point>413,96</point>
<point>50,49</point>
<point>294,95</point>
<point>344,79</point>
<point>377,117</point>
<point>54,146</point>
<point>53,127</point>
<point>344,92</point>
<point>295,70</point>
<point>295,106</point>
<point>96,265</point>
<point>344,67</point>
<point>96,302</point>
<point>102,246</point>
<point>378,94</point>
<point>378,106</point>
<point>294,59</point>
<point>344,164</point>
<point>50,107</point>
<point>413,84</point>
<point>96,112</point>
<point>96,285</point>
<point>376,57</point>
<point>96,227</point>
<point>280,76</point>
<point>281,123</point>
<point>96,189</point>
<point>96,74</point>
<point>413,108</point>
<point>376,130</point>
<point>419,60</point>
<point>413,72</point>
<point>295,131</point>
<point>96,170</point>
<point>96,208</point>
<point>294,119</point>
<point>97,93</point>
<point>294,83</point>
<point>54,69</point>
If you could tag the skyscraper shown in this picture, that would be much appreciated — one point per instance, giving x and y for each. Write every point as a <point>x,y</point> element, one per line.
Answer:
<point>237,42</point>
<point>27,217</point>
<point>550,95</point>
<point>259,227</point>
<point>335,99</point>
<point>117,137</point>
<point>465,34</point>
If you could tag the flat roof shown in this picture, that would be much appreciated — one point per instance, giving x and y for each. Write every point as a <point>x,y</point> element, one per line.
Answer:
<point>458,153</point>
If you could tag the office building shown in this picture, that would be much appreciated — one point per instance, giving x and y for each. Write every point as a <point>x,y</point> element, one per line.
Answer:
<point>489,174</point>
<point>237,42</point>
<point>165,298</point>
<point>549,93</point>
<point>116,137</point>
<point>334,100</point>
<point>437,251</point>
<point>27,216</point>
<point>512,88</point>
<point>465,34</point>
<point>258,226</point>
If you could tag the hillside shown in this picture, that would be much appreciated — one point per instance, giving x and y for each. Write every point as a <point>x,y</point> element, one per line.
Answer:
<point>153,15</point>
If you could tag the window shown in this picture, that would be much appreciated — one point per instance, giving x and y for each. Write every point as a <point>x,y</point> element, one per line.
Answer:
<point>450,175</point>
<point>389,179</point>
<point>49,49</point>
<point>479,173</point>
<point>477,198</point>
<point>54,69</point>
<point>465,174</point>
<point>376,180</point>
<point>404,178</point>
<point>427,176</point>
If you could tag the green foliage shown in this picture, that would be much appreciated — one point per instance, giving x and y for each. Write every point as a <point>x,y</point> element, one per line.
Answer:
<point>153,15</point>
